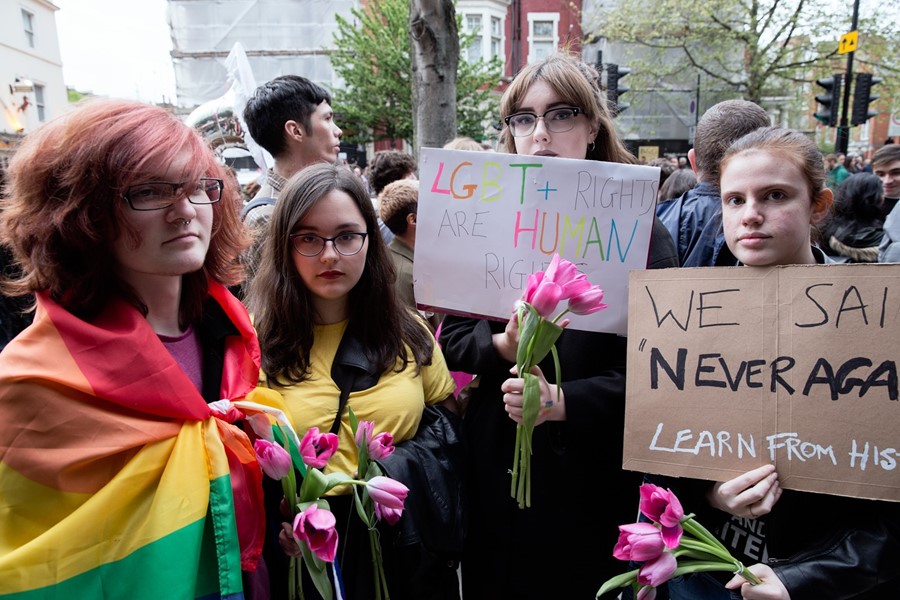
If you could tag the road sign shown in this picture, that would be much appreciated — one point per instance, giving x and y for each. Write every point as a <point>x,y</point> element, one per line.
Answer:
<point>849,42</point>
<point>894,125</point>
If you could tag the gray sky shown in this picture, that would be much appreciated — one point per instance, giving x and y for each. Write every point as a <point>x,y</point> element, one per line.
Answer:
<point>116,48</point>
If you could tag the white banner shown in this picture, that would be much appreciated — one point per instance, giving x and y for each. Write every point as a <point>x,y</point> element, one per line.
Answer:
<point>487,220</point>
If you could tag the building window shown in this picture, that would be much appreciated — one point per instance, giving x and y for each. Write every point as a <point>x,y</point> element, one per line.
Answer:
<point>28,26</point>
<point>496,38</point>
<point>39,102</point>
<point>486,22</point>
<point>543,36</point>
<point>473,27</point>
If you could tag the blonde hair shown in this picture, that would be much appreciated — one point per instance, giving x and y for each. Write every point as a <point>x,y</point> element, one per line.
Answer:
<point>463,143</point>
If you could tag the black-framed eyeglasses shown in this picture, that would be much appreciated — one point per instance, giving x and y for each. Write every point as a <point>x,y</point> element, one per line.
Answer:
<point>310,244</point>
<point>557,120</point>
<point>156,195</point>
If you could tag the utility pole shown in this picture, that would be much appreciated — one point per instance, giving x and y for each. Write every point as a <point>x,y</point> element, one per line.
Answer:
<point>842,142</point>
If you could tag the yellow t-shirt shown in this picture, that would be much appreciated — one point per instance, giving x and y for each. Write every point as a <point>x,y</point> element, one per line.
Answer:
<point>394,404</point>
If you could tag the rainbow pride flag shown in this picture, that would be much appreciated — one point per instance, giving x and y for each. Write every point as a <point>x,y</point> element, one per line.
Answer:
<point>116,478</point>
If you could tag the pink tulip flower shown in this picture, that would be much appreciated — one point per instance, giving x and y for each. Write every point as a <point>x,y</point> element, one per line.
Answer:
<point>639,542</point>
<point>546,297</point>
<point>274,460</point>
<point>577,286</point>
<point>317,448</point>
<point>364,433</point>
<point>315,527</point>
<point>587,302</point>
<point>534,280</point>
<point>381,446</point>
<point>388,492</point>
<point>661,506</point>
<point>657,571</point>
<point>386,513</point>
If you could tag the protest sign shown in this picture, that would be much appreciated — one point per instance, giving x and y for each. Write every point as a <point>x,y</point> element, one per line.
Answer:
<point>733,368</point>
<point>487,220</point>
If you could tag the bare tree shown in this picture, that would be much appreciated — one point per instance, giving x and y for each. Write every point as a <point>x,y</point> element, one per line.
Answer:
<point>435,58</point>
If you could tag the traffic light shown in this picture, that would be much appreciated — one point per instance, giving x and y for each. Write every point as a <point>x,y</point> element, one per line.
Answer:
<point>830,100</point>
<point>862,97</point>
<point>614,73</point>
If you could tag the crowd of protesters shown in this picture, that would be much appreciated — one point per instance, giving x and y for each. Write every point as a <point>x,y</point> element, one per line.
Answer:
<point>151,317</point>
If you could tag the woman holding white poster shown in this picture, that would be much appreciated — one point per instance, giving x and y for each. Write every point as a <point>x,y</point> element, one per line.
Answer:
<point>559,546</point>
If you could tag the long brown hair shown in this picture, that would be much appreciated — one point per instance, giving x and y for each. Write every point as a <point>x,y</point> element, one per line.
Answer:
<point>282,305</point>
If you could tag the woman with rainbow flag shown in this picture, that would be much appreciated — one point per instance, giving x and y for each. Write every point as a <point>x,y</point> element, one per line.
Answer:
<point>117,478</point>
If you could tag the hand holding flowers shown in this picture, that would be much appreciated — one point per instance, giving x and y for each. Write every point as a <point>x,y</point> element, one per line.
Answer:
<point>312,536</point>
<point>672,544</point>
<point>537,335</point>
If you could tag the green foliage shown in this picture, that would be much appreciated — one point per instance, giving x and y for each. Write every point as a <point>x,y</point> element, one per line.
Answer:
<point>74,95</point>
<point>372,56</point>
<point>754,49</point>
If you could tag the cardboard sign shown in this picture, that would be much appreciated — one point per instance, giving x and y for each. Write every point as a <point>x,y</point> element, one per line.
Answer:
<point>733,368</point>
<point>487,220</point>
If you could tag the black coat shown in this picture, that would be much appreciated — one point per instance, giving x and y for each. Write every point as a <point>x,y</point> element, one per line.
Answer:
<point>560,547</point>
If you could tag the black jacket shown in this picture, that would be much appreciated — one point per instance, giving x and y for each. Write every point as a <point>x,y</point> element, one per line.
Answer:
<point>427,541</point>
<point>580,493</point>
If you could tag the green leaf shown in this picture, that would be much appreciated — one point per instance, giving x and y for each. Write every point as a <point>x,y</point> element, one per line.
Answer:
<point>335,479</point>
<point>546,335</point>
<point>618,581</point>
<point>288,442</point>
<point>531,404</point>
<point>313,486</point>
<point>317,572</point>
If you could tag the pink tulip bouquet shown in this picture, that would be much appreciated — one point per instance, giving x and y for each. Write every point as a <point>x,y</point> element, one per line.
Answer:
<point>672,544</point>
<point>313,522</point>
<point>538,332</point>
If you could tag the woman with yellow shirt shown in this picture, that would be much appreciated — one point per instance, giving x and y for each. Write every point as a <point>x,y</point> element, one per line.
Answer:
<point>326,278</point>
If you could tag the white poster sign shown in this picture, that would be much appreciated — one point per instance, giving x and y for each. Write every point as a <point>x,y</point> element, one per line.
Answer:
<point>487,220</point>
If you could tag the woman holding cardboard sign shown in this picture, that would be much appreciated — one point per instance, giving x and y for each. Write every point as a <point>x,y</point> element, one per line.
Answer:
<point>819,546</point>
<point>554,108</point>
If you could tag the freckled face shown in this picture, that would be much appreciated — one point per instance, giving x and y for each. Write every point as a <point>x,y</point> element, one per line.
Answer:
<point>543,142</point>
<point>330,276</point>
<point>767,209</point>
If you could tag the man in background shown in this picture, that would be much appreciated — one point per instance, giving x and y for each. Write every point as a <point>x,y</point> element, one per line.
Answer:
<point>686,216</point>
<point>291,117</point>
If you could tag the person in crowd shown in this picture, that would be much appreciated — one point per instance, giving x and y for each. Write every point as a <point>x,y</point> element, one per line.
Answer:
<point>677,184</point>
<point>886,165</point>
<point>855,229</point>
<point>15,314</point>
<point>291,117</point>
<point>398,205</point>
<point>464,143</point>
<point>578,441</point>
<point>666,168</point>
<point>773,189</point>
<point>116,474</point>
<point>326,278</point>
<point>389,166</point>
<point>835,171</point>
<point>686,216</point>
